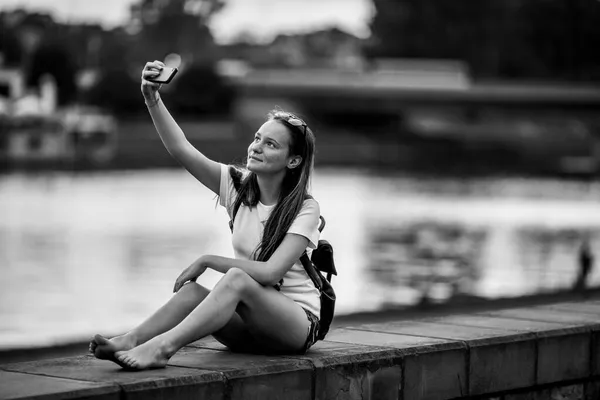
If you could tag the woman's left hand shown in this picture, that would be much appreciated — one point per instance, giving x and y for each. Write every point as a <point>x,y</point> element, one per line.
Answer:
<point>191,273</point>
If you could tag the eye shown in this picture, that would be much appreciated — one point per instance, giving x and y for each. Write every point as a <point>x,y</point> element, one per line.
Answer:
<point>271,144</point>
<point>256,138</point>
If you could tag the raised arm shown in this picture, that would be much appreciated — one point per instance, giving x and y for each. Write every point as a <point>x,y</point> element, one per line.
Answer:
<point>201,167</point>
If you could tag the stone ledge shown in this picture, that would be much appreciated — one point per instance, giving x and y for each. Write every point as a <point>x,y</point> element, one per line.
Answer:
<point>483,354</point>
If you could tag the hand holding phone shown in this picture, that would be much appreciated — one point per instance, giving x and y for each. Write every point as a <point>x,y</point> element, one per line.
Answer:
<point>165,76</point>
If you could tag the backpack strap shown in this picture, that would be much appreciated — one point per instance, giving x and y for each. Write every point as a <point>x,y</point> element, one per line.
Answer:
<point>236,177</point>
<point>322,223</point>
<point>308,264</point>
<point>311,270</point>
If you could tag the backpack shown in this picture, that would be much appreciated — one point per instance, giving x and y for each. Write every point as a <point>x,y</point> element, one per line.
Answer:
<point>320,261</point>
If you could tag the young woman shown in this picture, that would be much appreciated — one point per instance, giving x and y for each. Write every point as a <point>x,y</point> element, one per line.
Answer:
<point>265,302</point>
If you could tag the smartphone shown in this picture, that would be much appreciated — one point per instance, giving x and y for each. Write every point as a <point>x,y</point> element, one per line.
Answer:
<point>165,76</point>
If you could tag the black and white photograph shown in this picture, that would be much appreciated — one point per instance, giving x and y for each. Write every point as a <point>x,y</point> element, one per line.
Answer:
<point>300,199</point>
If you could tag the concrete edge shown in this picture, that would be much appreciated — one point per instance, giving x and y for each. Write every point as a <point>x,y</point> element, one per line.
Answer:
<point>367,357</point>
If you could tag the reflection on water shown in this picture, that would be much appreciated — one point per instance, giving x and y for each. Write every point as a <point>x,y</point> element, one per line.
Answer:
<point>86,253</point>
<point>430,260</point>
<point>427,261</point>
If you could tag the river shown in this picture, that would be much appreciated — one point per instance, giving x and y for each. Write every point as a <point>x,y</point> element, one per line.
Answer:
<point>82,253</point>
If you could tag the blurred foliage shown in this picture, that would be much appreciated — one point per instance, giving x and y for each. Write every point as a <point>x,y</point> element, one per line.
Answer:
<point>36,43</point>
<point>157,29</point>
<point>174,26</point>
<point>546,39</point>
<point>39,45</point>
<point>199,90</point>
<point>117,91</point>
<point>53,59</point>
<point>541,39</point>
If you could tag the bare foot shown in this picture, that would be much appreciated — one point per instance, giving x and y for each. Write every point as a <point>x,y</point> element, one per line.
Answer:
<point>152,354</point>
<point>105,349</point>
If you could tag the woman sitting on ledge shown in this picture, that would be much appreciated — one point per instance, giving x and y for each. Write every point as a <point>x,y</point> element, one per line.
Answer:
<point>265,302</point>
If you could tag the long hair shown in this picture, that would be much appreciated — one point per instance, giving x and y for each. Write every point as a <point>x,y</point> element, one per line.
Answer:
<point>294,190</point>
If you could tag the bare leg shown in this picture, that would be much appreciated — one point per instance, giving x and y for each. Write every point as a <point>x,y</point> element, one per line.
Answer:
<point>267,313</point>
<point>165,318</point>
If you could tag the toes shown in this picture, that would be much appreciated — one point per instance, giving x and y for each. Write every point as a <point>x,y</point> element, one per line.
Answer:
<point>100,340</point>
<point>129,361</point>
<point>122,359</point>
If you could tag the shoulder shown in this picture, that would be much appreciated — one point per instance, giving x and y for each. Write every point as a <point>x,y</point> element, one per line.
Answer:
<point>311,206</point>
<point>306,222</point>
<point>310,211</point>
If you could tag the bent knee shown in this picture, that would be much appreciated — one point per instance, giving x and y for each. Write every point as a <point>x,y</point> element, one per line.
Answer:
<point>193,288</point>
<point>237,279</point>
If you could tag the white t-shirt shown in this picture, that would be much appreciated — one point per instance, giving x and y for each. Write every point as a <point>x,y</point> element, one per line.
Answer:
<point>248,230</point>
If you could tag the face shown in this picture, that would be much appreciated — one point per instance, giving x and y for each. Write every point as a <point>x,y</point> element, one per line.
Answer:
<point>269,151</point>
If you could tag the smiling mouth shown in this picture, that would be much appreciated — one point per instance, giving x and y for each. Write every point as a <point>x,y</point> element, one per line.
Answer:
<point>255,159</point>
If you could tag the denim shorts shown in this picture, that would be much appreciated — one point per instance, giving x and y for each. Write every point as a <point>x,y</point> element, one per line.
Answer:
<point>313,330</point>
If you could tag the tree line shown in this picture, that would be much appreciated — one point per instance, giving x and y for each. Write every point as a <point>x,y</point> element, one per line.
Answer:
<point>514,39</point>
<point>39,45</point>
<point>498,39</point>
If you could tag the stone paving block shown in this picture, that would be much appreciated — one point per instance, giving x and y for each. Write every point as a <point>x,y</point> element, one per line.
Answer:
<point>369,337</point>
<point>595,356</point>
<point>434,330</point>
<point>435,375</point>
<point>252,376</point>
<point>363,378</point>
<point>516,358</point>
<point>15,385</point>
<point>353,371</point>
<point>502,365</point>
<point>433,368</point>
<point>563,355</point>
<point>500,359</point>
<point>565,317</point>
<point>580,307</point>
<point>165,383</point>
<point>488,321</point>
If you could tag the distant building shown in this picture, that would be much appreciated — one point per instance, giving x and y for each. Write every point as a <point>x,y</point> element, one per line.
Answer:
<point>33,131</point>
<point>12,87</point>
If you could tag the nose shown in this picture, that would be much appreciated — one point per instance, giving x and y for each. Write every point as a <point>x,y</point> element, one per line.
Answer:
<point>256,147</point>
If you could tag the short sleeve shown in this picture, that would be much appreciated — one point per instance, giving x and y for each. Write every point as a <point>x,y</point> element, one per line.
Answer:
<point>307,223</point>
<point>227,191</point>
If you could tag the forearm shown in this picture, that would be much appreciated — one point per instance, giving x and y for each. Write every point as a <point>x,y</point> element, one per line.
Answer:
<point>260,271</point>
<point>169,131</point>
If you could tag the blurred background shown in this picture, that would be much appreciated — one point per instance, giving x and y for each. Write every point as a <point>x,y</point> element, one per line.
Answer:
<point>458,149</point>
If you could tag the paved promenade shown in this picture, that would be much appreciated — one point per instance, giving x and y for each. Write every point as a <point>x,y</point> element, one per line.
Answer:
<point>536,352</point>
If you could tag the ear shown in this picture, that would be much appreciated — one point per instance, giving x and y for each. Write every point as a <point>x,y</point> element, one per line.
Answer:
<point>294,161</point>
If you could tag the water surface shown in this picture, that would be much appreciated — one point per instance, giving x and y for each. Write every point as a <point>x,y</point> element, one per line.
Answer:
<point>98,252</point>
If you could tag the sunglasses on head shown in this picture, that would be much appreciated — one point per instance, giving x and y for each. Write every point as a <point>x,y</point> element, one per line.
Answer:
<point>295,121</point>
